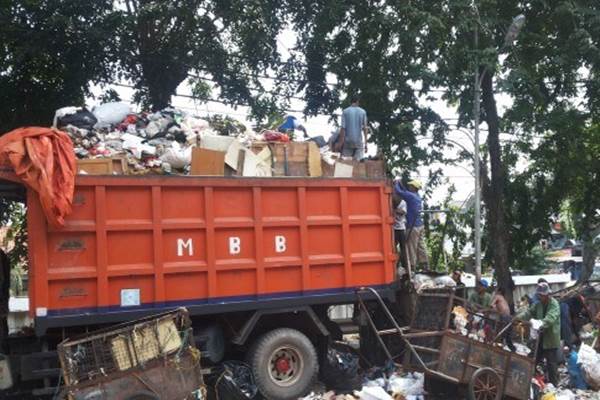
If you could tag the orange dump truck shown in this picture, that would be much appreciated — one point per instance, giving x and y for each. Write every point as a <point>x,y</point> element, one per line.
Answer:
<point>257,262</point>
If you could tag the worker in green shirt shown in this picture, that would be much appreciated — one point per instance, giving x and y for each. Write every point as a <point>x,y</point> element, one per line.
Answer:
<point>480,298</point>
<point>548,311</point>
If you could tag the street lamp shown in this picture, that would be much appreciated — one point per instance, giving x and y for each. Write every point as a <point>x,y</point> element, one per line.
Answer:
<point>512,33</point>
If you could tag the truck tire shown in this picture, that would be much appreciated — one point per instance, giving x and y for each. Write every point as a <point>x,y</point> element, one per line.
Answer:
<point>285,364</point>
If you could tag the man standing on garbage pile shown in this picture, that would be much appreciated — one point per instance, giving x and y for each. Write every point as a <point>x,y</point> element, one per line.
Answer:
<point>548,311</point>
<point>460,290</point>
<point>290,124</point>
<point>500,306</point>
<point>354,125</point>
<point>400,230</point>
<point>415,243</point>
<point>480,298</point>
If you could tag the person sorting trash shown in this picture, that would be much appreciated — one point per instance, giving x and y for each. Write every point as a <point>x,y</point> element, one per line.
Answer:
<point>290,124</point>
<point>415,230</point>
<point>480,298</point>
<point>547,310</point>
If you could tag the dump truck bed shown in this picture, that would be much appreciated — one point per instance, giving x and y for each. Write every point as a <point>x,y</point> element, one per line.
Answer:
<point>136,245</point>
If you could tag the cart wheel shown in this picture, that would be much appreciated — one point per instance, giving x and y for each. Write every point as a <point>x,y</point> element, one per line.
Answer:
<point>485,384</point>
<point>143,396</point>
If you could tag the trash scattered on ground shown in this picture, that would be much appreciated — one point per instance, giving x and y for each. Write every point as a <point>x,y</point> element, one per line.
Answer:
<point>232,380</point>
<point>162,142</point>
<point>340,370</point>
<point>380,384</point>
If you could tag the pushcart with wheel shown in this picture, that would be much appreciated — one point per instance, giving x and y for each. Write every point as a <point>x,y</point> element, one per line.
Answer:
<point>484,370</point>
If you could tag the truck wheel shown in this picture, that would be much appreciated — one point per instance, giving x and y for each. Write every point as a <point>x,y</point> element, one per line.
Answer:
<point>284,363</point>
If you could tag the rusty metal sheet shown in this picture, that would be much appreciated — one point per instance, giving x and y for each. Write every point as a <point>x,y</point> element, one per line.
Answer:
<point>453,354</point>
<point>483,355</point>
<point>518,379</point>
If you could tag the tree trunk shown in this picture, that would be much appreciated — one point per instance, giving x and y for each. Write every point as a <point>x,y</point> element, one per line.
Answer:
<point>493,194</point>
<point>590,249</point>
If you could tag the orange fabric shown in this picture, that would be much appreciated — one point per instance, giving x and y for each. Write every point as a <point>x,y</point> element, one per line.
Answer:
<point>44,160</point>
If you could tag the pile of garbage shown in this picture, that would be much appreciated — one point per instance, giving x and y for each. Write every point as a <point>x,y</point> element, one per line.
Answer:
<point>424,282</point>
<point>165,142</point>
<point>394,386</point>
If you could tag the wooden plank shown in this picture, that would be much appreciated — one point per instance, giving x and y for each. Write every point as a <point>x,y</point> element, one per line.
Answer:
<point>97,166</point>
<point>207,162</point>
<point>314,160</point>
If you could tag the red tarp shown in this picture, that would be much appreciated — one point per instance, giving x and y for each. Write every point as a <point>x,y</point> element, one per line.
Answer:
<point>44,160</point>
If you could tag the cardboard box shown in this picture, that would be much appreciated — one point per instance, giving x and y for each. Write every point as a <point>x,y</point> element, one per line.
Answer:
<point>207,162</point>
<point>102,166</point>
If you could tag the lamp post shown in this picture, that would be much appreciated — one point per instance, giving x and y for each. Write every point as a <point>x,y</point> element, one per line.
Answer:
<point>512,33</point>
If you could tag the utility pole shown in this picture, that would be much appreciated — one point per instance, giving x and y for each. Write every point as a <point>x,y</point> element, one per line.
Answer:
<point>476,115</point>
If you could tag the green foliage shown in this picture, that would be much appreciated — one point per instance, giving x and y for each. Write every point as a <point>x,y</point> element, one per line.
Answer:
<point>450,226</point>
<point>378,52</point>
<point>13,216</point>
<point>533,262</point>
<point>163,43</point>
<point>50,52</point>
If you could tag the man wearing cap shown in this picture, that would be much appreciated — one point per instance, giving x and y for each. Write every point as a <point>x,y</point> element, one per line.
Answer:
<point>548,311</point>
<point>480,298</point>
<point>415,245</point>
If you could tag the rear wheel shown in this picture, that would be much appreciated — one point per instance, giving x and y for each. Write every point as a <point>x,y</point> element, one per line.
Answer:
<point>285,365</point>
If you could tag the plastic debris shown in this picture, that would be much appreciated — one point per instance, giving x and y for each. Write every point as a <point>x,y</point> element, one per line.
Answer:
<point>340,370</point>
<point>409,386</point>
<point>373,393</point>
<point>109,114</point>
<point>589,362</point>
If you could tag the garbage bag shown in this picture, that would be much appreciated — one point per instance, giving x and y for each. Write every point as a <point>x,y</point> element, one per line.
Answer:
<point>76,116</point>
<point>238,381</point>
<point>340,371</point>
<point>110,114</point>
<point>575,375</point>
<point>177,156</point>
<point>589,361</point>
<point>232,380</point>
<point>444,281</point>
<point>43,158</point>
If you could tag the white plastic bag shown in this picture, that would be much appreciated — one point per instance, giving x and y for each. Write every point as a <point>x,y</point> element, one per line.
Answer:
<point>110,114</point>
<point>589,361</point>
<point>373,393</point>
<point>409,385</point>
<point>536,324</point>
<point>177,156</point>
<point>444,281</point>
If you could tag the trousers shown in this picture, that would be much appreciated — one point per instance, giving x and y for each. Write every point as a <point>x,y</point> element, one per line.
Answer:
<point>415,247</point>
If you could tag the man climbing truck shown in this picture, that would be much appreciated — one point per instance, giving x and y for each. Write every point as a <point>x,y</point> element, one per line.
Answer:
<point>256,261</point>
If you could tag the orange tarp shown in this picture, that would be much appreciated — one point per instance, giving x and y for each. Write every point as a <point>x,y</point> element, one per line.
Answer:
<point>44,160</point>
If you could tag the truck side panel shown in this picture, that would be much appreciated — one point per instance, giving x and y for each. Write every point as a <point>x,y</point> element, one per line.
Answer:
<point>155,242</point>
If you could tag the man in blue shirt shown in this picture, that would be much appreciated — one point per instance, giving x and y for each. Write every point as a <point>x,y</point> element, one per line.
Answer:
<point>354,125</point>
<point>415,244</point>
<point>290,124</point>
